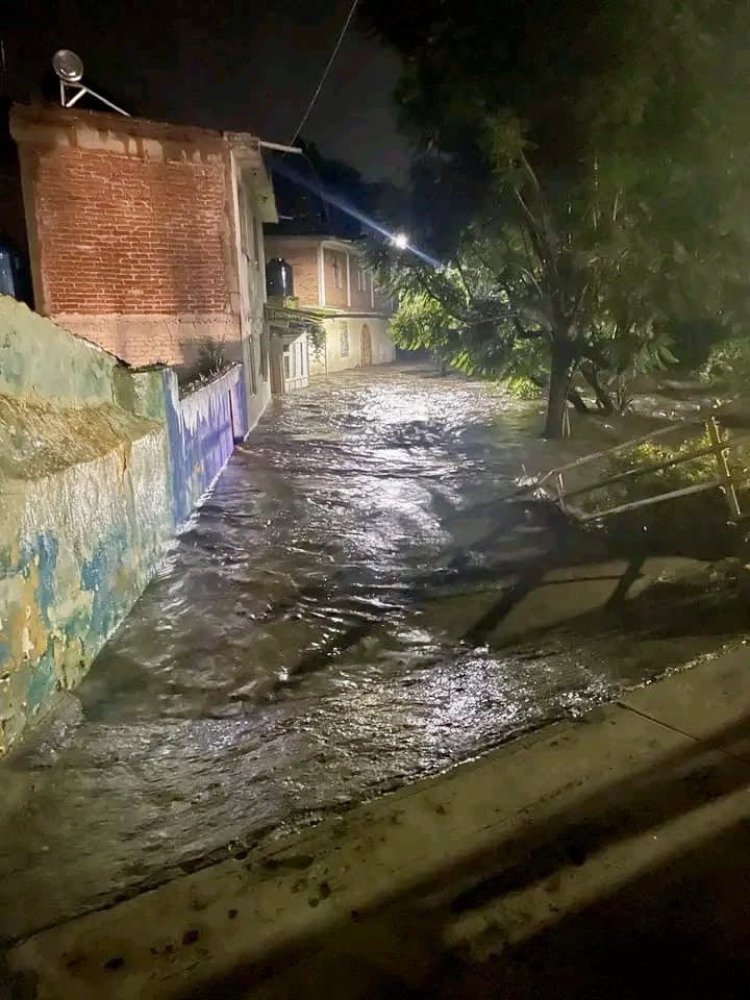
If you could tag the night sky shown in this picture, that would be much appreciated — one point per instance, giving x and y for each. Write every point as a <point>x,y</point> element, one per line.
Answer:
<point>242,66</point>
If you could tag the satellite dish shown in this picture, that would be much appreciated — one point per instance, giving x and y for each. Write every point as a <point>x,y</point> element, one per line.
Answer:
<point>68,66</point>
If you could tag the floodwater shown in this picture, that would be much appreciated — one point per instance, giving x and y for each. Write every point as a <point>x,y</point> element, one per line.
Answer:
<point>314,639</point>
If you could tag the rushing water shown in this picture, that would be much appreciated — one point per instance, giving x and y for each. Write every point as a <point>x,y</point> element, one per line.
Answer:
<point>297,653</point>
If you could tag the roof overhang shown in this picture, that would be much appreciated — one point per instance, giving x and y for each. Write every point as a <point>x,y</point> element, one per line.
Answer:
<point>292,320</point>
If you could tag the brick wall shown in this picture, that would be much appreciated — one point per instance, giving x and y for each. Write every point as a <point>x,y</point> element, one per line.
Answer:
<point>304,261</point>
<point>302,254</point>
<point>149,338</point>
<point>132,238</point>
<point>333,261</point>
<point>360,299</point>
<point>119,234</point>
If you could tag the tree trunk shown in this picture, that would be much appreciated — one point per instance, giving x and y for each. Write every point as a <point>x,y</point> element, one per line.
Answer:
<point>578,402</point>
<point>557,424</point>
<point>574,396</point>
<point>603,398</point>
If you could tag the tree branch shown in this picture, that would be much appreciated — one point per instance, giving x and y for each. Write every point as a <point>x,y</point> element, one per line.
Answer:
<point>472,297</point>
<point>425,286</point>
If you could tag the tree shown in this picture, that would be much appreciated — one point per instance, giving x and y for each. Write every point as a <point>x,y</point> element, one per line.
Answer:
<point>596,153</point>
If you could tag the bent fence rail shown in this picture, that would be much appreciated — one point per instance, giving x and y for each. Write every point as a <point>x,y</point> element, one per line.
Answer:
<point>719,445</point>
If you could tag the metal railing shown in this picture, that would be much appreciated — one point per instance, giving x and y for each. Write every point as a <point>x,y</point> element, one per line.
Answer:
<point>719,446</point>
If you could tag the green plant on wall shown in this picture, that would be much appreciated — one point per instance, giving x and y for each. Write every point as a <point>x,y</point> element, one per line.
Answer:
<point>212,359</point>
<point>211,362</point>
<point>316,338</point>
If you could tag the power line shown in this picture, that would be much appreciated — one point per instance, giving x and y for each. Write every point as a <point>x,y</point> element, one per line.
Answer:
<point>333,55</point>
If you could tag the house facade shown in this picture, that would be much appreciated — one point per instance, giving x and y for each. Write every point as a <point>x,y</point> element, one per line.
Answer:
<point>147,238</point>
<point>331,278</point>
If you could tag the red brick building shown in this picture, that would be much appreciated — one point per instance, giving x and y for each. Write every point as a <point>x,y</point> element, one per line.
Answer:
<point>330,276</point>
<point>147,237</point>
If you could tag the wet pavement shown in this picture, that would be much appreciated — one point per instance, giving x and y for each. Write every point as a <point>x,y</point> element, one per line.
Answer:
<point>312,641</point>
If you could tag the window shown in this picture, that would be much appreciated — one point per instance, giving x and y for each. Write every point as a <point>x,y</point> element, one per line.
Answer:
<point>336,265</point>
<point>361,278</point>
<point>344,340</point>
<point>294,356</point>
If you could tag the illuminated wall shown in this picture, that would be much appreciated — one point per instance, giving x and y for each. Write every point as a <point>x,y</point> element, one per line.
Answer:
<point>99,465</point>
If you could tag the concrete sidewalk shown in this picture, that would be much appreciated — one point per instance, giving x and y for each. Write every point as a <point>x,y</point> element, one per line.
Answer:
<point>608,857</point>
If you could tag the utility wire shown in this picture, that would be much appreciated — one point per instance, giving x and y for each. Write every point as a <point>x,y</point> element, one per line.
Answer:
<point>326,71</point>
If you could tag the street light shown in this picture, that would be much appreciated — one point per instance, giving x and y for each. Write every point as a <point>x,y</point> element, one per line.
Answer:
<point>400,241</point>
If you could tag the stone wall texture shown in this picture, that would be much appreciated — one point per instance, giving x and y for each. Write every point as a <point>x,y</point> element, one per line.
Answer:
<point>99,466</point>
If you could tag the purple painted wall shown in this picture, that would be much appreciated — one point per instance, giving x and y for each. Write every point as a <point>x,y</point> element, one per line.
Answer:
<point>203,429</point>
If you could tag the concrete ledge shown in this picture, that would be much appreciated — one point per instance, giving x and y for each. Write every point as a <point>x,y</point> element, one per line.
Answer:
<point>475,863</point>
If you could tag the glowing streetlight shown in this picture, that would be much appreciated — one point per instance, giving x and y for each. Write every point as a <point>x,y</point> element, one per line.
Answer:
<point>400,241</point>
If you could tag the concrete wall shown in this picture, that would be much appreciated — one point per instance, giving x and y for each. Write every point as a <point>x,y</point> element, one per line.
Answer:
<point>249,190</point>
<point>330,358</point>
<point>99,465</point>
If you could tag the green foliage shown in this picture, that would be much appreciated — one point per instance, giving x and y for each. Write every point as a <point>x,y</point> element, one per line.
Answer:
<point>316,336</point>
<point>212,359</point>
<point>729,363</point>
<point>649,484</point>
<point>422,322</point>
<point>210,364</point>
<point>629,356</point>
<point>698,470</point>
<point>585,164</point>
<point>692,340</point>
<point>522,387</point>
<point>703,469</point>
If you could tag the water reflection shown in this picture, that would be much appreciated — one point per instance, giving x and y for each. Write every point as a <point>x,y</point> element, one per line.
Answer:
<point>287,661</point>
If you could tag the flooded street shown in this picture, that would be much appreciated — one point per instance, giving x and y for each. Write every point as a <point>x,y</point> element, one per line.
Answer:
<point>315,638</point>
